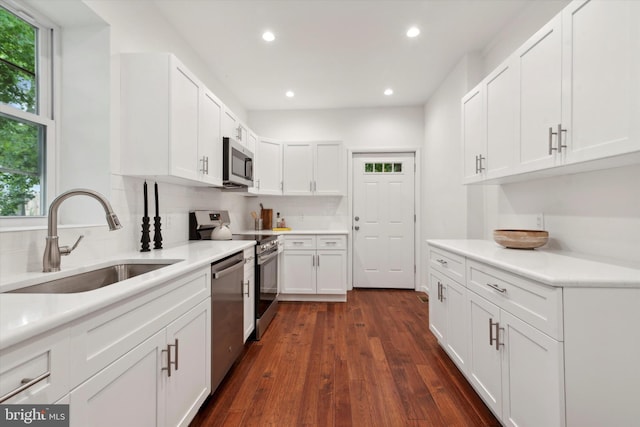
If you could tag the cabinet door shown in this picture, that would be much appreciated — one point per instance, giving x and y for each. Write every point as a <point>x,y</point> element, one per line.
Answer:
<point>252,141</point>
<point>331,272</point>
<point>457,328</point>
<point>473,137</point>
<point>184,122</point>
<point>328,166</point>
<point>190,380</point>
<point>437,308</point>
<point>230,124</point>
<point>485,367</point>
<point>210,139</point>
<point>249,301</point>
<point>298,168</point>
<point>299,272</point>
<point>268,167</point>
<point>501,113</point>
<point>539,64</point>
<point>532,376</point>
<point>600,78</point>
<point>105,400</point>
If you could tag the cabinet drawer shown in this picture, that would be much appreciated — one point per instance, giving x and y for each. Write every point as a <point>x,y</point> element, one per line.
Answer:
<point>536,304</point>
<point>447,263</point>
<point>300,242</point>
<point>331,242</point>
<point>102,338</point>
<point>46,358</point>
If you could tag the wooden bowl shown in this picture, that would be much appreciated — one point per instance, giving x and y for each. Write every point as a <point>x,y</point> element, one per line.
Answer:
<point>521,239</point>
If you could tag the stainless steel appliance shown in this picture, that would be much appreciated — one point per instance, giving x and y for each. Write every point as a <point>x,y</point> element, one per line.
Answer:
<point>266,279</point>
<point>227,314</point>
<point>201,223</point>
<point>237,164</point>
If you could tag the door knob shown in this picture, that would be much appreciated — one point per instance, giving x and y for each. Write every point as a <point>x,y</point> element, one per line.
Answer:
<point>357,227</point>
<point>357,218</point>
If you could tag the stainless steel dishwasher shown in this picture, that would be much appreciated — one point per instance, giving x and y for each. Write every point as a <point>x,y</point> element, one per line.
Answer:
<point>227,315</point>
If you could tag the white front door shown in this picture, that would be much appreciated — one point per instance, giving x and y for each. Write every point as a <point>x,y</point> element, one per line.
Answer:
<point>383,220</point>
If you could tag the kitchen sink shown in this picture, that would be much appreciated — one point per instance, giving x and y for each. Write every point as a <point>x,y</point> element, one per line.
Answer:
<point>94,279</point>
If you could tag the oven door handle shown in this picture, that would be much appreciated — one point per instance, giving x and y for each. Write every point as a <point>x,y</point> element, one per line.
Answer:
<point>229,270</point>
<point>262,259</point>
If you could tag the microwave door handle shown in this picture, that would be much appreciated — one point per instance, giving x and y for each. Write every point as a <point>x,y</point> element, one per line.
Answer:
<point>248,168</point>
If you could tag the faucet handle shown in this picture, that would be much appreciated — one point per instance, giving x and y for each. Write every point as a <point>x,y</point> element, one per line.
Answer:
<point>65,250</point>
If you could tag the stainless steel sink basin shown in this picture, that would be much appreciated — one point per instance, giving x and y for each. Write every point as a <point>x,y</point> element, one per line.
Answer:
<point>94,279</point>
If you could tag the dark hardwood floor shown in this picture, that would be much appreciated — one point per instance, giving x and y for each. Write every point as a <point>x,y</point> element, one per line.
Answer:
<point>369,362</point>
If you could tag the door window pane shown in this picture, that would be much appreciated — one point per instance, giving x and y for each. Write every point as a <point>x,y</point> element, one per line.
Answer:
<point>397,167</point>
<point>378,167</point>
<point>368,167</point>
<point>21,170</point>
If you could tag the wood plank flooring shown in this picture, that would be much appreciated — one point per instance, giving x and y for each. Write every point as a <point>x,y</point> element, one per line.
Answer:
<point>369,362</point>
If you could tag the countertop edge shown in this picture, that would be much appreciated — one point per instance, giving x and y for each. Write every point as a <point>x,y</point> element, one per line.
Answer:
<point>76,306</point>
<point>619,276</point>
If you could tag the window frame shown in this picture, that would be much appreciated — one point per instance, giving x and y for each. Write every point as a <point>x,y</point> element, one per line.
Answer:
<point>48,73</point>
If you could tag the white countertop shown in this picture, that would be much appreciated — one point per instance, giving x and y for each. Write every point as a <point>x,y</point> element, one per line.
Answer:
<point>549,267</point>
<point>293,231</point>
<point>25,315</point>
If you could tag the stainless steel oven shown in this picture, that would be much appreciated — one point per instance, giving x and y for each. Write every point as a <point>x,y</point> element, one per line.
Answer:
<point>266,283</point>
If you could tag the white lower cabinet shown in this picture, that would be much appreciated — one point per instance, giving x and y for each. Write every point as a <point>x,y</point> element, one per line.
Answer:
<point>161,382</point>
<point>314,265</point>
<point>249,291</point>
<point>448,318</point>
<point>516,368</point>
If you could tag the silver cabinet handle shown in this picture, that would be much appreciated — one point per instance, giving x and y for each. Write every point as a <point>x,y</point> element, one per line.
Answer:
<point>497,288</point>
<point>480,159</point>
<point>258,184</point>
<point>202,169</point>
<point>310,186</point>
<point>497,337</point>
<point>315,186</point>
<point>248,286</point>
<point>318,263</point>
<point>476,164</point>
<point>313,261</point>
<point>439,291</point>
<point>298,243</point>
<point>560,144</point>
<point>169,361</point>
<point>207,165</point>
<point>442,262</point>
<point>26,383</point>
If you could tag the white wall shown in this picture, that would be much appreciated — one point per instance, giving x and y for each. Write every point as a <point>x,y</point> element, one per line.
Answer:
<point>357,128</point>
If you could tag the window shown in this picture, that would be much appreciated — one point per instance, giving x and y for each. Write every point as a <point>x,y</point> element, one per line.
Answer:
<point>26,125</point>
<point>383,168</point>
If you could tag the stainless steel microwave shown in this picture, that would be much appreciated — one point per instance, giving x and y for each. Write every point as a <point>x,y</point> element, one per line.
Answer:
<point>237,167</point>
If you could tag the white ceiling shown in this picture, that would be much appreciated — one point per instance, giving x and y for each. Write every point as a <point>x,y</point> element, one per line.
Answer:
<point>335,53</point>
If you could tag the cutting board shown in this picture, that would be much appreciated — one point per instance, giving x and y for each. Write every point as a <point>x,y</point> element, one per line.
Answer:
<point>267,219</point>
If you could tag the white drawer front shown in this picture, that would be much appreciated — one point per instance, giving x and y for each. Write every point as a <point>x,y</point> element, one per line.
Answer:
<point>32,360</point>
<point>536,304</point>
<point>300,242</point>
<point>447,263</point>
<point>102,338</point>
<point>331,242</point>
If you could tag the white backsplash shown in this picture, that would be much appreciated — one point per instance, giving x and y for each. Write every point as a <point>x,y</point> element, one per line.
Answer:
<point>21,251</point>
<point>306,213</point>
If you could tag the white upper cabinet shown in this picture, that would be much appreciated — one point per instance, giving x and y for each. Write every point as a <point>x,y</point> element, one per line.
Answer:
<point>210,139</point>
<point>568,96</point>
<point>170,122</point>
<point>501,119</point>
<point>474,147</point>
<point>601,88</point>
<point>268,170</point>
<point>230,124</point>
<point>313,168</point>
<point>539,64</point>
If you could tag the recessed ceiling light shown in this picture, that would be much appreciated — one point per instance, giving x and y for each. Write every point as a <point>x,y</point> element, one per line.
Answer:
<point>290,94</point>
<point>268,36</point>
<point>388,91</point>
<point>413,32</point>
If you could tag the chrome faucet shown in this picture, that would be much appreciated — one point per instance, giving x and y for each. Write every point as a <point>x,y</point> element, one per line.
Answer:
<point>52,252</point>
